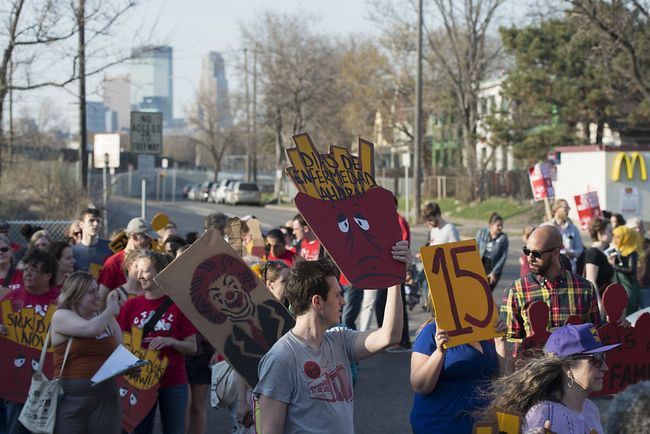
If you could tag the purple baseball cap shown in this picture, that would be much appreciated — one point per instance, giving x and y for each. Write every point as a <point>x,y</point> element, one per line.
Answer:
<point>571,340</point>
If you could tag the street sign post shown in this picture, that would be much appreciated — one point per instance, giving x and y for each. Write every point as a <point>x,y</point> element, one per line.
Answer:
<point>146,133</point>
<point>106,144</point>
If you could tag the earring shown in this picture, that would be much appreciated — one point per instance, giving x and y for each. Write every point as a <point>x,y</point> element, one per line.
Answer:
<point>571,381</point>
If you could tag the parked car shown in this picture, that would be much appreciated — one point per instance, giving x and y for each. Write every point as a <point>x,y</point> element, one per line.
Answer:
<point>218,191</point>
<point>204,191</point>
<point>244,192</point>
<point>192,193</point>
<point>186,189</point>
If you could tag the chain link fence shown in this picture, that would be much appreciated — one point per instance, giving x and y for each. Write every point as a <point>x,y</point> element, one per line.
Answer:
<point>56,228</point>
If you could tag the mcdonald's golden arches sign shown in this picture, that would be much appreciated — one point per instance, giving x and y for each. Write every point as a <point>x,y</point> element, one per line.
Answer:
<point>630,161</point>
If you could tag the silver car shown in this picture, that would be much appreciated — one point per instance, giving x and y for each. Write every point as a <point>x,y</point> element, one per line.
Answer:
<point>244,192</point>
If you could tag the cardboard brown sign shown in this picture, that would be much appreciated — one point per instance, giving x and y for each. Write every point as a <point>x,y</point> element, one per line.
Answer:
<point>354,218</point>
<point>227,302</point>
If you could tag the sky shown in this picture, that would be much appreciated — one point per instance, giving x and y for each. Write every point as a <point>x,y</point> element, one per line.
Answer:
<point>195,27</point>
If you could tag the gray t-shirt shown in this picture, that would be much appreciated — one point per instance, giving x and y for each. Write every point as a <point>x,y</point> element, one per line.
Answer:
<point>86,255</point>
<point>315,384</point>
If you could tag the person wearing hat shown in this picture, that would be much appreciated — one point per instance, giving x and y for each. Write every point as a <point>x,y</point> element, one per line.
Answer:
<point>551,390</point>
<point>112,275</point>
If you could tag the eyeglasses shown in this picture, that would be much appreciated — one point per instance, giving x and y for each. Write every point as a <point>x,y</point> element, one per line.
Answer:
<point>4,249</point>
<point>597,359</point>
<point>536,253</point>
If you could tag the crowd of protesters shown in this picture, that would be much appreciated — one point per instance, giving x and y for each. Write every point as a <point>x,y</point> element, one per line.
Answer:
<point>100,294</point>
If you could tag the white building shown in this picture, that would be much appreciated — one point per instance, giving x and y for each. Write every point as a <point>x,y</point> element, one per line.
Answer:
<point>491,101</point>
<point>617,173</point>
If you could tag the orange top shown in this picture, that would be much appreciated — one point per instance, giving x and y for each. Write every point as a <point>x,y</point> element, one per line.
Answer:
<point>86,356</point>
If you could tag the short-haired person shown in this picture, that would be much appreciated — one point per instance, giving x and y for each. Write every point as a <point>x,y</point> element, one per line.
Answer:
<point>295,376</point>
<point>571,241</point>
<point>218,221</point>
<point>172,243</point>
<point>140,237</point>
<point>551,390</point>
<point>274,274</point>
<point>563,291</point>
<point>277,248</point>
<point>94,335</point>
<point>90,252</point>
<point>307,245</point>
<point>441,231</point>
<point>493,248</point>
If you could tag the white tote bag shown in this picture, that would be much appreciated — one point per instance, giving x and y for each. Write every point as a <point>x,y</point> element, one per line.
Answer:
<point>39,412</point>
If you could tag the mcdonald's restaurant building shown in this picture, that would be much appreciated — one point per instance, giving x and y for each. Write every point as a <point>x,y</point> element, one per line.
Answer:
<point>618,173</point>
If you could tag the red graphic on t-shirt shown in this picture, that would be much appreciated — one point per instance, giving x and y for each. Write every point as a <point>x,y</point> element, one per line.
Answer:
<point>331,386</point>
<point>309,250</point>
<point>312,369</point>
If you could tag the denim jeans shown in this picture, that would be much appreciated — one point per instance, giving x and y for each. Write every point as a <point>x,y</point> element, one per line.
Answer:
<point>9,424</point>
<point>172,401</point>
<point>353,298</point>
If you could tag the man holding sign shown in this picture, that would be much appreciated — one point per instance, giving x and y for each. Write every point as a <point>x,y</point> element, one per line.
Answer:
<point>564,292</point>
<point>305,382</point>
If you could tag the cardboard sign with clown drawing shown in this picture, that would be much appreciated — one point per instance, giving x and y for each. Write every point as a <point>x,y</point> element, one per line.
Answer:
<point>20,348</point>
<point>354,218</point>
<point>227,302</point>
<point>138,393</point>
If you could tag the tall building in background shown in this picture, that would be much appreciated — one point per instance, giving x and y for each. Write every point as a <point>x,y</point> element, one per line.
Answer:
<point>151,82</point>
<point>213,81</point>
<point>117,97</point>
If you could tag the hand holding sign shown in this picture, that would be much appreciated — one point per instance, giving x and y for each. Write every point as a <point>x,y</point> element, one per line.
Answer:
<point>355,220</point>
<point>462,298</point>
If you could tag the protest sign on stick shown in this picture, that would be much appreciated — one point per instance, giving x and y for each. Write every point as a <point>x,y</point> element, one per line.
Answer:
<point>460,292</point>
<point>226,301</point>
<point>588,208</point>
<point>538,314</point>
<point>354,218</point>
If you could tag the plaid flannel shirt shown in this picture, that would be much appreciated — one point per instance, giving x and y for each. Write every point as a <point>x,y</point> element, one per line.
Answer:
<point>569,295</point>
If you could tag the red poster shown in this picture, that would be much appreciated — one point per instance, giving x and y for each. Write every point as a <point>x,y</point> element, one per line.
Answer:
<point>540,181</point>
<point>588,208</point>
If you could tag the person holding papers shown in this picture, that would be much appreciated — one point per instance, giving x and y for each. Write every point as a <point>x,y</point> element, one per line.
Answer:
<point>92,336</point>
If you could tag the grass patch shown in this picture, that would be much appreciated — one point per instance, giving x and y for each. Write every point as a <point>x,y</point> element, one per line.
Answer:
<point>508,208</point>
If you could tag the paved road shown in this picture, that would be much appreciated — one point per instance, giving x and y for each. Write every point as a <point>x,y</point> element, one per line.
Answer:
<point>383,396</point>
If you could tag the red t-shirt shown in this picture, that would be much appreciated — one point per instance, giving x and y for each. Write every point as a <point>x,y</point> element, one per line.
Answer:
<point>309,250</point>
<point>112,274</point>
<point>288,257</point>
<point>404,228</point>
<point>21,298</point>
<point>172,324</point>
<point>16,280</point>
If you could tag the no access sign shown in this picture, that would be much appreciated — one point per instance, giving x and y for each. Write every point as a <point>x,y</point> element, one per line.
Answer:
<point>146,132</point>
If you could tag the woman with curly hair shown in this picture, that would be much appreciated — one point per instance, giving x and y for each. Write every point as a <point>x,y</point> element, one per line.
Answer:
<point>551,390</point>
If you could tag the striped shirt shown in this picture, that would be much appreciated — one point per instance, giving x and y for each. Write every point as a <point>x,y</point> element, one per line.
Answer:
<point>568,295</point>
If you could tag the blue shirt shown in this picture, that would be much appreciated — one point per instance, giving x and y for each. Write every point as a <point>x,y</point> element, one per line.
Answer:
<point>86,255</point>
<point>447,409</point>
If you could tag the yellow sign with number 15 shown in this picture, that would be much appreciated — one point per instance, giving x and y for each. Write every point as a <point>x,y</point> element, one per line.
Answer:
<point>461,296</point>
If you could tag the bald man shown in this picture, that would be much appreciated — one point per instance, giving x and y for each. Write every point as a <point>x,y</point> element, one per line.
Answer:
<point>563,291</point>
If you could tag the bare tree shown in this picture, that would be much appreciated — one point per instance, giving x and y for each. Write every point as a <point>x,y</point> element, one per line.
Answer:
<point>205,121</point>
<point>37,39</point>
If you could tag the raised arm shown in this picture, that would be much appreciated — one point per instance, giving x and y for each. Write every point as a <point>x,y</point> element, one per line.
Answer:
<point>425,370</point>
<point>372,341</point>
<point>69,323</point>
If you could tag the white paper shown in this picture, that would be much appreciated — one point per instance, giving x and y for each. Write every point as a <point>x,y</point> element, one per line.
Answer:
<point>120,361</point>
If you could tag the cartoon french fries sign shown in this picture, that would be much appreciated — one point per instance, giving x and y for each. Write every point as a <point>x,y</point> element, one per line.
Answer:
<point>354,218</point>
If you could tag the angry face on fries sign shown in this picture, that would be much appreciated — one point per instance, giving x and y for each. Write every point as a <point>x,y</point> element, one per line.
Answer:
<point>354,218</point>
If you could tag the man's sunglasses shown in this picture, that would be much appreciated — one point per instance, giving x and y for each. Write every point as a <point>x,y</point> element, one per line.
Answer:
<point>4,249</point>
<point>536,253</point>
<point>597,359</point>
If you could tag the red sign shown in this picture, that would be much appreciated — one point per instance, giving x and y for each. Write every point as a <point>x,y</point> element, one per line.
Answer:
<point>540,181</point>
<point>588,208</point>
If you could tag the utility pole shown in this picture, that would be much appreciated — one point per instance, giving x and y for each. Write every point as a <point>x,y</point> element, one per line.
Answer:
<point>254,141</point>
<point>248,160</point>
<point>10,153</point>
<point>83,140</point>
<point>417,143</point>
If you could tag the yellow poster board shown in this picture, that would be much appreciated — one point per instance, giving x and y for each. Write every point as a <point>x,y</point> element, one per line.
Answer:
<point>461,295</point>
<point>509,422</point>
